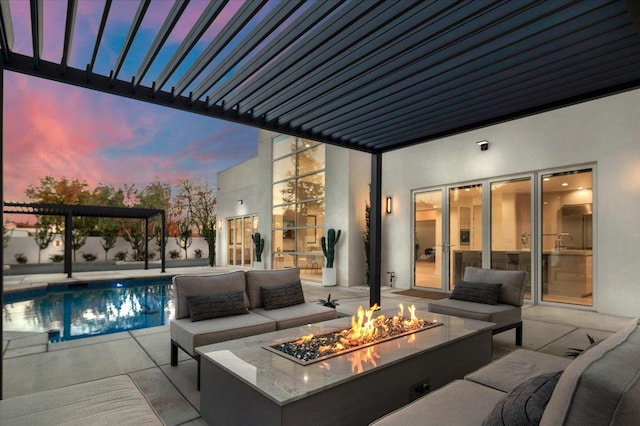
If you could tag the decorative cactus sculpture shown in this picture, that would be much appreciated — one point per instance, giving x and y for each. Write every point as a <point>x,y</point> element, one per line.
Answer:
<point>328,245</point>
<point>259,242</point>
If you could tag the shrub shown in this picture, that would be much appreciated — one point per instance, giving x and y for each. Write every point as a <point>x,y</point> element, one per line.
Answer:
<point>21,258</point>
<point>89,257</point>
<point>174,254</point>
<point>198,254</point>
<point>121,256</point>
<point>56,258</point>
<point>152,255</point>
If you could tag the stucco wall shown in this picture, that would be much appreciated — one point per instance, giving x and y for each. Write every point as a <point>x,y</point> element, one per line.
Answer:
<point>604,132</point>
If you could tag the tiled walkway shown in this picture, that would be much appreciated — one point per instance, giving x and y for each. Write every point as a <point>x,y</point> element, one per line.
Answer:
<point>32,364</point>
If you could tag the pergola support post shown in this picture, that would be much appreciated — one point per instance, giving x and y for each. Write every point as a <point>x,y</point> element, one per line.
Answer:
<point>375,246</point>
<point>163,231</point>
<point>68,241</point>
<point>146,243</point>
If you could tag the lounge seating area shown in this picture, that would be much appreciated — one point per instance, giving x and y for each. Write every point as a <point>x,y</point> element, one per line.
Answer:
<point>265,300</point>
<point>600,387</point>
<point>35,371</point>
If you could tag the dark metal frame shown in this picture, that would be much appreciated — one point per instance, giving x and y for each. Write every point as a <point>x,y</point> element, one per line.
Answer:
<point>69,211</point>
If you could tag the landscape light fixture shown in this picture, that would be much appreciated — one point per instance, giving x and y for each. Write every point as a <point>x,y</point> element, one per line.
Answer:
<point>484,145</point>
<point>388,205</point>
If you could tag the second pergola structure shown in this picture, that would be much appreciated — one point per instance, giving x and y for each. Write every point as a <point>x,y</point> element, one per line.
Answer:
<point>71,211</point>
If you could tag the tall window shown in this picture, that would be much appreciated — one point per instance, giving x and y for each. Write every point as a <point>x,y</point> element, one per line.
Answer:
<point>298,204</point>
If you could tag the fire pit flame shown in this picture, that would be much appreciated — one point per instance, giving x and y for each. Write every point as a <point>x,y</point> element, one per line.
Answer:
<point>365,331</point>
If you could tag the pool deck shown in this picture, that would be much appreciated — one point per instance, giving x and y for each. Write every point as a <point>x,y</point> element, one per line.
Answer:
<point>31,364</point>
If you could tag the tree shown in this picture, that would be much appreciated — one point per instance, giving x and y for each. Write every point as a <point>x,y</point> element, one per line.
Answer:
<point>185,235</point>
<point>6,234</point>
<point>156,195</point>
<point>63,191</point>
<point>108,228</point>
<point>45,233</point>
<point>198,203</point>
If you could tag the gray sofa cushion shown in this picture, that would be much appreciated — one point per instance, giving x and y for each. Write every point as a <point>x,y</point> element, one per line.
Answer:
<point>297,315</point>
<point>189,335</point>
<point>460,403</point>
<point>216,306</point>
<point>501,314</point>
<point>602,386</point>
<point>486,293</point>
<point>525,404</point>
<point>506,373</point>
<point>282,296</point>
<point>512,291</point>
<point>112,401</point>
<point>203,285</point>
<point>268,279</point>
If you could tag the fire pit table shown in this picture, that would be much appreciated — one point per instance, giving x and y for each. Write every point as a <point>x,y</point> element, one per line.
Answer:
<point>245,382</point>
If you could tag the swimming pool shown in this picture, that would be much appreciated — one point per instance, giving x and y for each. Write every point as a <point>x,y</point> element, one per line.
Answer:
<point>77,310</point>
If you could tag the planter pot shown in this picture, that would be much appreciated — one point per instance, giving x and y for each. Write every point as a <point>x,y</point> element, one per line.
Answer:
<point>329,277</point>
<point>258,265</point>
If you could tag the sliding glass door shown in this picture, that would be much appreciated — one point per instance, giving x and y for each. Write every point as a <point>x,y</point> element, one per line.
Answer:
<point>540,223</point>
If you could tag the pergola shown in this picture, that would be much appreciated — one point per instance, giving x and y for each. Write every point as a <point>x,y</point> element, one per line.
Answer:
<point>368,75</point>
<point>70,211</point>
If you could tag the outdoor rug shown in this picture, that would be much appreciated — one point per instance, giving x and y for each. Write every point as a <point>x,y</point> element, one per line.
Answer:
<point>433,295</point>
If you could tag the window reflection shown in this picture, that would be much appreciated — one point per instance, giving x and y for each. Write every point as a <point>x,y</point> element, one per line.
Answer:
<point>298,205</point>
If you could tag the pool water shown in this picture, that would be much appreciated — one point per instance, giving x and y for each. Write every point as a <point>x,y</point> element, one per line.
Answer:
<point>77,310</point>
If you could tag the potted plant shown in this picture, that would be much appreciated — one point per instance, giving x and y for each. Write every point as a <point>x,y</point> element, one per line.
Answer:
<point>259,243</point>
<point>329,303</point>
<point>328,248</point>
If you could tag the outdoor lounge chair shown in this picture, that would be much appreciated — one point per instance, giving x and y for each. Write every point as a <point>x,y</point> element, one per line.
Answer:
<point>506,314</point>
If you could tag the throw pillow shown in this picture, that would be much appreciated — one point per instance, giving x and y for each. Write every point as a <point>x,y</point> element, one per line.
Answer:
<point>216,306</point>
<point>525,404</point>
<point>282,296</point>
<point>477,292</point>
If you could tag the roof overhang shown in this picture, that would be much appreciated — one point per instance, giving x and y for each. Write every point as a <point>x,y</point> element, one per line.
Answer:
<point>368,75</point>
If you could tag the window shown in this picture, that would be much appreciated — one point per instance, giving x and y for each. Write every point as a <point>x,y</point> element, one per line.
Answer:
<point>298,204</point>
<point>240,250</point>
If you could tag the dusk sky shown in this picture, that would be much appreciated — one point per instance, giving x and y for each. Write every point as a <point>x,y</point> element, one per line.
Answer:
<point>61,130</point>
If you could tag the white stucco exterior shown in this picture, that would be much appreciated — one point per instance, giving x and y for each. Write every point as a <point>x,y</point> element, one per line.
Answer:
<point>603,134</point>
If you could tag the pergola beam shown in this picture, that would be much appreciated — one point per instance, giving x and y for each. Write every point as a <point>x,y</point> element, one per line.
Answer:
<point>36,31</point>
<point>276,17</point>
<point>133,30</point>
<point>72,7</point>
<point>222,40</point>
<point>103,23</point>
<point>199,28</point>
<point>166,28</point>
<point>6,29</point>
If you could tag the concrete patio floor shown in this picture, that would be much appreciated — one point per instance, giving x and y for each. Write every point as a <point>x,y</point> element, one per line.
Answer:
<point>31,364</point>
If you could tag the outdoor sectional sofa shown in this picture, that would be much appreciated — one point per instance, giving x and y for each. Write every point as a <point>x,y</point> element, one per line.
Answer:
<point>599,387</point>
<point>240,304</point>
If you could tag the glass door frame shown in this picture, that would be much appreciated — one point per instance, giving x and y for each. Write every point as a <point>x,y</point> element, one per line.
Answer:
<point>535,240</point>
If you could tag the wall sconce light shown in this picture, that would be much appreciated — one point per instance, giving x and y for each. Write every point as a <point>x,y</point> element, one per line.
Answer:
<point>240,202</point>
<point>484,145</point>
<point>388,209</point>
